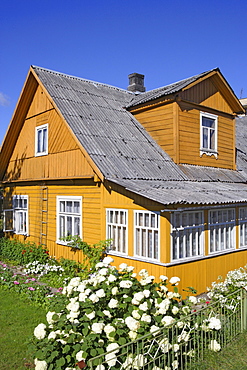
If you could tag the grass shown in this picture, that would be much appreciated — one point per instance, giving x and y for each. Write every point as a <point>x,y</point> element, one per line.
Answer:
<point>17,322</point>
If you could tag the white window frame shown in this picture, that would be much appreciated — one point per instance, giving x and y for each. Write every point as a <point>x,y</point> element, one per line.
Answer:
<point>44,150</point>
<point>243,227</point>
<point>209,150</point>
<point>142,232</point>
<point>221,232</point>
<point>65,214</point>
<point>117,230</point>
<point>20,215</point>
<point>187,235</point>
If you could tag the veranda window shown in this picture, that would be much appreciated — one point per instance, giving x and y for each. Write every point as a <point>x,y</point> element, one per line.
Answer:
<point>243,226</point>
<point>16,219</point>
<point>69,217</point>
<point>187,235</point>
<point>116,229</point>
<point>221,230</point>
<point>146,228</point>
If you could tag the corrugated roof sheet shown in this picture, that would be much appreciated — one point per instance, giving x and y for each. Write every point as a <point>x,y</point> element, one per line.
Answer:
<point>128,156</point>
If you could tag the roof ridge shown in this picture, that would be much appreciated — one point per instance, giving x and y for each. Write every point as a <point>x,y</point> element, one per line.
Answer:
<point>82,79</point>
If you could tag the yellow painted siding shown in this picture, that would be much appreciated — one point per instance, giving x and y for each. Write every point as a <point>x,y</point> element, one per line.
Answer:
<point>64,158</point>
<point>158,121</point>
<point>189,140</point>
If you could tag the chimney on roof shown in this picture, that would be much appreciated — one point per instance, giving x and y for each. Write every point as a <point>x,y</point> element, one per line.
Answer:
<point>136,82</point>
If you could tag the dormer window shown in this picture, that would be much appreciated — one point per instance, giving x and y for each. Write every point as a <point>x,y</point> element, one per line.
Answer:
<point>41,140</point>
<point>208,128</point>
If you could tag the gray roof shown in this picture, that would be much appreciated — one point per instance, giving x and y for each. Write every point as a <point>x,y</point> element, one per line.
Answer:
<point>126,154</point>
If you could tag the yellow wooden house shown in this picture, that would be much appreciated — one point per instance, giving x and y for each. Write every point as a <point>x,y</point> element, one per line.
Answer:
<point>155,171</point>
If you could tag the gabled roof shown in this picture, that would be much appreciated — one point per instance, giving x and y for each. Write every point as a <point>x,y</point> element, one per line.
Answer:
<point>119,146</point>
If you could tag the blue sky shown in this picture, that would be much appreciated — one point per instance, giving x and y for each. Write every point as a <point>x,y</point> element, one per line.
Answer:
<point>105,40</point>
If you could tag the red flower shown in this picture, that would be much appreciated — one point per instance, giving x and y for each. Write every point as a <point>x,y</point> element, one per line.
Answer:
<point>81,364</point>
<point>23,251</point>
<point>46,252</point>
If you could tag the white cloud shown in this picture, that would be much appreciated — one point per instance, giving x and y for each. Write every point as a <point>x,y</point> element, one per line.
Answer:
<point>4,100</point>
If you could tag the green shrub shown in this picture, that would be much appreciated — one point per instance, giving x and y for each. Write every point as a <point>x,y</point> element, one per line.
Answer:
<point>22,253</point>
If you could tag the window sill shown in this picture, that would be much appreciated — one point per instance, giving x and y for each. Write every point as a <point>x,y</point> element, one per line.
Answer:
<point>208,152</point>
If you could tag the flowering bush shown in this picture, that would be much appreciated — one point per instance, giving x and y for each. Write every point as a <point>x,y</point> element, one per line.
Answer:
<point>109,309</point>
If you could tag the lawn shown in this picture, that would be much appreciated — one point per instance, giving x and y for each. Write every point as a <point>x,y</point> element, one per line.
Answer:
<point>17,322</point>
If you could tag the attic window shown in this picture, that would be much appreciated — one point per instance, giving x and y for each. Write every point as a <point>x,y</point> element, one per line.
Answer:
<point>41,140</point>
<point>208,128</point>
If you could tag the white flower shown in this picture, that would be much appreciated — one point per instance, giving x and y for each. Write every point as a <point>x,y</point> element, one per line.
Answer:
<point>143,273</point>
<point>137,297</point>
<point>114,290</point>
<point>74,282</point>
<point>174,280</point>
<point>100,293</point>
<point>111,278</point>
<point>97,327</point>
<point>40,365</point>
<point>163,277</point>
<point>109,329</point>
<point>130,268</point>
<point>82,297</point>
<point>164,344</point>
<point>49,316</point>
<point>147,280</point>
<point>112,346</point>
<point>186,310</point>
<point>175,310</point>
<point>214,346</point>
<point>143,306</point>
<point>146,293</point>
<point>132,334</point>
<point>107,260</point>
<point>125,284</point>
<point>139,362</point>
<point>73,306</point>
<point>90,315</point>
<point>94,298</point>
<point>163,288</point>
<point>154,329</point>
<point>175,347</point>
<point>214,323</point>
<point>123,267</point>
<point>167,320</point>
<point>100,367</point>
<point>175,364</point>
<point>146,318</point>
<point>193,299</point>
<point>39,331</point>
<point>132,324</point>
<point>99,265</point>
<point>113,303</point>
<point>107,313</point>
<point>103,271</point>
<point>136,314</point>
<point>79,356</point>
<point>52,335</point>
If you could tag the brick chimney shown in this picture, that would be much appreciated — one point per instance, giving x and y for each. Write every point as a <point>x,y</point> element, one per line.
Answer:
<point>136,82</point>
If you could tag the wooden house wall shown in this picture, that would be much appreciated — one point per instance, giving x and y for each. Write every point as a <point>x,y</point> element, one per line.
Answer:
<point>189,139</point>
<point>62,147</point>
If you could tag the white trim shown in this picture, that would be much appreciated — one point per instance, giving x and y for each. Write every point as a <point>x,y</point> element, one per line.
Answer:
<point>73,214</point>
<point>199,238</point>
<point>20,215</point>
<point>209,151</point>
<point>119,227</point>
<point>147,228</point>
<point>221,228</point>
<point>37,129</point>
<point>242,221</point>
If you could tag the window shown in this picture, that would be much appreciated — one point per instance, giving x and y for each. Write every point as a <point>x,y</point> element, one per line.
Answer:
<point>16,219</point>
<point>146,229</point>
<point>221,230</point>
<point>187,235</point>
<point>243,226</point>
<point>208,142</point>
<point>69,217</point>
<point>116,229</point>
<point>41,140</point>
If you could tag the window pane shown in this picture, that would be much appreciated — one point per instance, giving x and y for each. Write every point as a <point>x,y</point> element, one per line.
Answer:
<point>69,206</point>
<point>146,219</point>
<point>76,207</point>
<point>76,226</point>
<point>62,206</point>
<point>44,143</point>
<point>62,227</point>
<point>205,138</point>
<point>69,226</point>
<point>39,143</point>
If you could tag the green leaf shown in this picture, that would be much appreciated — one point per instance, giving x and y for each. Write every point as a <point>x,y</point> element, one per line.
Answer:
<point>60,362</point>
<point>68,358</point>
<point>40,355</point>
<point>93,352</point>
<point>121,341</point>
<point>175,289</point>
<point>66,348</point>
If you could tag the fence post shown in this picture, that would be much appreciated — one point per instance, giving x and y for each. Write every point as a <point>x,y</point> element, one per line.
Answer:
<point>244,310</point>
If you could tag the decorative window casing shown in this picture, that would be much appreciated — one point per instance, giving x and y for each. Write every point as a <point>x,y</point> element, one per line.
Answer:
<point>16,219</point>
<point>221,230</point>
<point>41,140</point>
<point>208,134</point>
<point>147,234</point>
<point>187,235</point>
<point>69,217</point>
<point>116,229</point>
<point>243,227</point>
